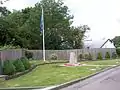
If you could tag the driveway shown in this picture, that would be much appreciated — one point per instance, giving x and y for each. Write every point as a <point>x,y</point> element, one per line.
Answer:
<point>109,80</point>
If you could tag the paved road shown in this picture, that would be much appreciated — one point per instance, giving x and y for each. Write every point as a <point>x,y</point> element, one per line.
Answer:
<point>109,80</point>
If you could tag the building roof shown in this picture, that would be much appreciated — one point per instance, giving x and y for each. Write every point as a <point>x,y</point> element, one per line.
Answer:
<point>96,43</point>
<point>106,42</point>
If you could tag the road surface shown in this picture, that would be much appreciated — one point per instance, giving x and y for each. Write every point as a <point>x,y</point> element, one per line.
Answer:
<point>109,80</point>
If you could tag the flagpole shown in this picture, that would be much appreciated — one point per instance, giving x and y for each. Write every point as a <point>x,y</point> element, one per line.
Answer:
<point>43,36</point>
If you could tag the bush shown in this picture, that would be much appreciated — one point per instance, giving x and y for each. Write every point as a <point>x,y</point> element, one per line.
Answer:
<point>80,57</point>
<point>114,55</point>
<point>8,68</point>
<point>53,57</point>
<point>90,57</point>
<point>118,51</point>
<point>26,63</point>
<point>86,56</point>
<point>107,55</point>
<point>99,56</point>
<point>19,66</point>
<point>28,54</point>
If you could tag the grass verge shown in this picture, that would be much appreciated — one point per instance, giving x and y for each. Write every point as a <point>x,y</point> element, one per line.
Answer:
<point>53,74</point>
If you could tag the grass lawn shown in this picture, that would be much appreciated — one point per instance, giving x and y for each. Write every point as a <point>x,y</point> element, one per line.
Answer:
<point>51,74</point>
<point>103,62</point>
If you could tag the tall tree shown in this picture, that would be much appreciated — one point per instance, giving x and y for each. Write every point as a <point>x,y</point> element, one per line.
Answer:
<point>24,27</point>
<point>116,41</point>
<point>75,37</point>
<point>3,1</point>
<point>4,11</point>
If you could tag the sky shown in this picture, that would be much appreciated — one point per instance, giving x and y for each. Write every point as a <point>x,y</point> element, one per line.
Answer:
<point>102,16</point>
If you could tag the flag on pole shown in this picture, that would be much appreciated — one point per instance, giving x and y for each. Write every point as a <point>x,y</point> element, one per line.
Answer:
<point>42,22</point>
<point>42,30</point>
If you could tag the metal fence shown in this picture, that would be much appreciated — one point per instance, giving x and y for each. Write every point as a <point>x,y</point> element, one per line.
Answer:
<point>64,54</point>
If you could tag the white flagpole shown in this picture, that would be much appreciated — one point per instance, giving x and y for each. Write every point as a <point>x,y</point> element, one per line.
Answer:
<point>43,35</point>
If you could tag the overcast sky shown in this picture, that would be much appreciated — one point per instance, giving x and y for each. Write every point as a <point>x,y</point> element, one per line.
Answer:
<point>102,16</point>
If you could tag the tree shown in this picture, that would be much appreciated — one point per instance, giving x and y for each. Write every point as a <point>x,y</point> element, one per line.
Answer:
<point>74,38</point>
<point>4,32</point>
<point>3,1</point>
<point>116,41</point>
<point>4,11</point>
<point>24,27</point>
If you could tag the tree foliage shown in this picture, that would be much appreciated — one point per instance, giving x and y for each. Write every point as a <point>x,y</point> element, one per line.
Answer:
<point>4,11</point>
<point>116,41</point>
<point>26,63</point>
<point>107,55</point>
<point>99,56</point>
<point>19,66</point>
<point>3,1</point>
<point>8,68</point>
<point>23,27</point>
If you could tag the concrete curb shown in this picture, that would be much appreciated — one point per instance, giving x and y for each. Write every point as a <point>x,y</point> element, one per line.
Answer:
<point>22,88</point>
<point>78,80</point>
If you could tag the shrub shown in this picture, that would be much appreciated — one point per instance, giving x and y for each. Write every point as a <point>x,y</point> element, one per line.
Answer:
<point>118,51</point>
<point>86,56</point>
<point>28,54</point>
<point>26,63</point>
<point>114,55</point>
<point>8,68</point>
<point>19,66</point>
<point>107,55</point>
<point>90,57</point>
<point>99,56</point>
<point>80,57</point>
<point>53,57</point>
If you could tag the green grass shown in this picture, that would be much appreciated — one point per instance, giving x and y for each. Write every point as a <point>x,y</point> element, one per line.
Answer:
<point>103,62</point>
<point>52,74</point>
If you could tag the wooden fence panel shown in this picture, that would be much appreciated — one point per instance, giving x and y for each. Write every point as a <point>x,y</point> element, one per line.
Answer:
<point>64,54</point>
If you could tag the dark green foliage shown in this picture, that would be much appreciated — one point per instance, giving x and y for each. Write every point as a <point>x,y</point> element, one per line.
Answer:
<point>90,57</point>
<point>5,47</point>
<point>4,11</point>
<point>26,63</point>
<point>28,54</point>
<point>99,56</point>
<point>86,56</point>
<point>114,55</point>
<point>8,68</point>
<point>53,57</point>
<point>107,55</point>
<point>80,57</point>
<point>19,66</point>
<point>4,32</point>
<point>116,41</point>
<point>22,27</point>
<point>118,51</point>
